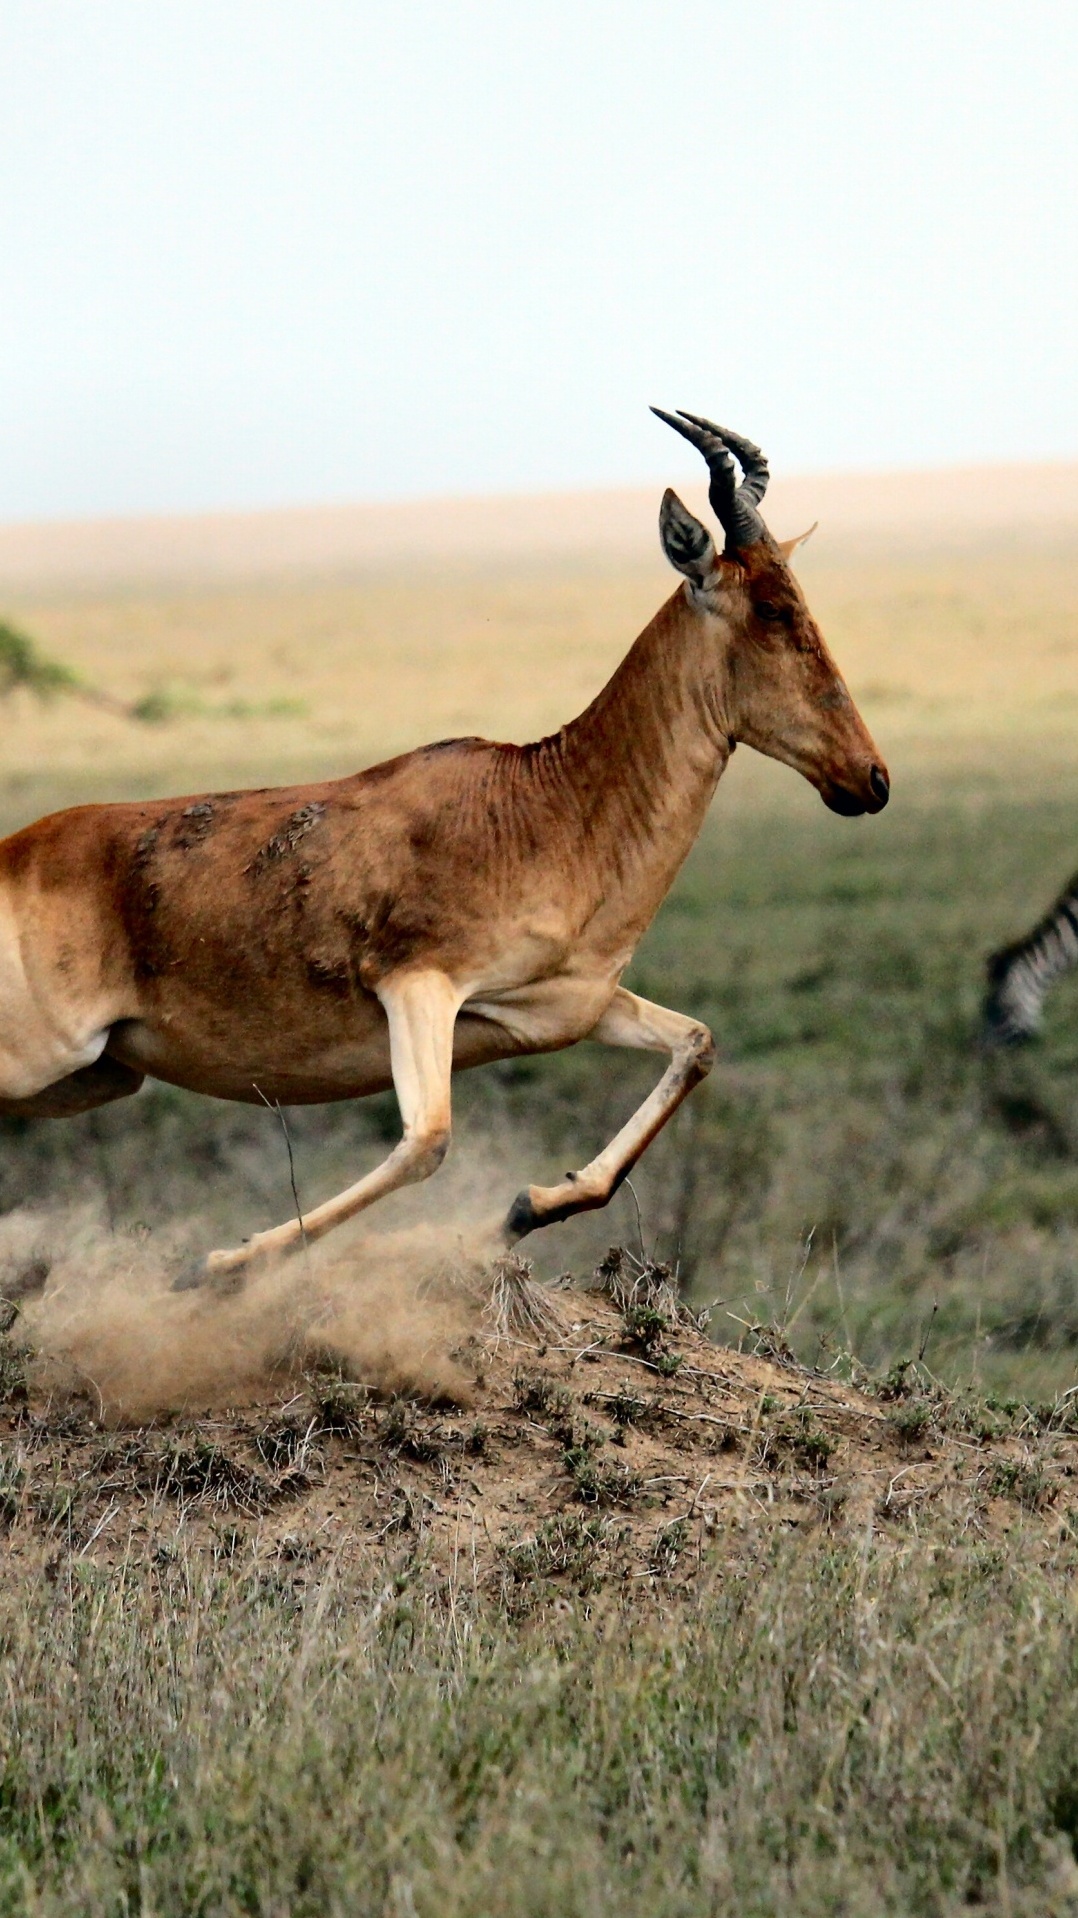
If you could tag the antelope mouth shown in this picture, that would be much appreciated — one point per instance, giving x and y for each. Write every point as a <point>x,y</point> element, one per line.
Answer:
<point>851,805</point>
<point>837,800</point>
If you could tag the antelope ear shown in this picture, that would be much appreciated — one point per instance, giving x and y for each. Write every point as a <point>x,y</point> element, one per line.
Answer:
<point>788,547</point>
<point>688,546</point>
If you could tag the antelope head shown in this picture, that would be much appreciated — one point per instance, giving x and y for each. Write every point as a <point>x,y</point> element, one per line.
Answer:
<point>776,685</point>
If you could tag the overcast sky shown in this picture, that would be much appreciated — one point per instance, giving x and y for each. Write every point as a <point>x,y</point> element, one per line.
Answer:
<point>256,251</point>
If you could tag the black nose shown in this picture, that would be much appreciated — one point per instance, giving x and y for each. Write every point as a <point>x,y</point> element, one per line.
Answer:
<point>880,784</point>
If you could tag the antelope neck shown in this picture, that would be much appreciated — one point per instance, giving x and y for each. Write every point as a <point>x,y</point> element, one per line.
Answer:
<point>643,760</point>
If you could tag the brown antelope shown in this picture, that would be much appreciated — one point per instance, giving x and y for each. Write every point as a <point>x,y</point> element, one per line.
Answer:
<point>463,903</point>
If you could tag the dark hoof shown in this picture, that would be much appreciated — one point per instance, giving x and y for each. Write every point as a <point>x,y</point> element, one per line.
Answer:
<point>522,1219</point>
<point>191,1279</point>
<point>217,1285</point>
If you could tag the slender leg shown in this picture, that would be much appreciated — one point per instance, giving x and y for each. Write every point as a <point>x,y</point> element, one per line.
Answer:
<point>421,1008</point>
<point>627,1021</point>
<point>81,1091</point>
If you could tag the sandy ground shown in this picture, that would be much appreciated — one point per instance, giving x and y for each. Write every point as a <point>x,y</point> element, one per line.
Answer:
<point>602,1445</point>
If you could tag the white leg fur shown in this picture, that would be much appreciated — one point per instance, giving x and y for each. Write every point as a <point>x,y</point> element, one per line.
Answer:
<point>421,1008</point>
<point>633,1022</point>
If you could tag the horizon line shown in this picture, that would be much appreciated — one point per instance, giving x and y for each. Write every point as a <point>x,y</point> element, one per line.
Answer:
<point>521,495</point>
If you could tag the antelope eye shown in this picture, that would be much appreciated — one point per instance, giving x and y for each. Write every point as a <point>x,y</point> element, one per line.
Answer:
<point>765,610</point>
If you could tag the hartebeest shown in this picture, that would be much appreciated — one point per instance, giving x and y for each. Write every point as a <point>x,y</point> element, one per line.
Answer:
<point>463,903</point>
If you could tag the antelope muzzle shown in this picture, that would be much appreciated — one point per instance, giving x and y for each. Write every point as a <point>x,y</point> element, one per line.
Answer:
<point>868,793</point>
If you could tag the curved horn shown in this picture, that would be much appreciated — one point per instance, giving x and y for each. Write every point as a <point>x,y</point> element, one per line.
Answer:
<point>753,462</point>
<point>734,506</point>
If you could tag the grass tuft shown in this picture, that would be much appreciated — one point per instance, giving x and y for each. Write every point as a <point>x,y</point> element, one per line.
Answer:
<point>341,1405</point>
<point>519,1307</point>
<point>541,1395</point>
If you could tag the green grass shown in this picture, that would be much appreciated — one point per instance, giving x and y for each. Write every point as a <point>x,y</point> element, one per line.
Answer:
<point>826,1729</point>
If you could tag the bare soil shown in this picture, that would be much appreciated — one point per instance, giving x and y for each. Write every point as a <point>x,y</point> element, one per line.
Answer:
<point>603,1444</point>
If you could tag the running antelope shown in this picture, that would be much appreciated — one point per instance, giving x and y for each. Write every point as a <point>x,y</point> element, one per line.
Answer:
<point>1020,975</point>
<point>463,903</point>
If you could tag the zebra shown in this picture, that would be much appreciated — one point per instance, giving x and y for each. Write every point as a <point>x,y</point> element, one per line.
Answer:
<point>1019,975</point>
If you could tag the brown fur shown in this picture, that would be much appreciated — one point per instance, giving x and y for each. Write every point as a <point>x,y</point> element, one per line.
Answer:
<point>249,944</point>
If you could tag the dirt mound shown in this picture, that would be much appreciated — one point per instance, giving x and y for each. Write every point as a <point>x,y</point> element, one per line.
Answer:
<point>587,1436</point>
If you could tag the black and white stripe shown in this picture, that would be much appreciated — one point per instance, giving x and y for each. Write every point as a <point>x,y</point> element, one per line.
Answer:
<point>1020,975</point>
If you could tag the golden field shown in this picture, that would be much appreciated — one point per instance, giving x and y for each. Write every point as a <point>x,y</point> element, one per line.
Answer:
<point>306,643</point>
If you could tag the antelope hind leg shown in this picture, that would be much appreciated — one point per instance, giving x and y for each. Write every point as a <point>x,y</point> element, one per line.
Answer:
<point>97,1085</point>
<point>421,1009</point>
<point>81,1091</point>
<point>636,1023</point>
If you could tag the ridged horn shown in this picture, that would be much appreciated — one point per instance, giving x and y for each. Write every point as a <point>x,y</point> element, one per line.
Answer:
<point>735,506</point>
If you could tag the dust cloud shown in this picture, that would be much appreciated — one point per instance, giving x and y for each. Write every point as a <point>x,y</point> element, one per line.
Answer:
<point>401,1311</point>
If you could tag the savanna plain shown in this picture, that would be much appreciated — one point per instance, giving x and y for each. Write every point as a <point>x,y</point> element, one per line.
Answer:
<point>729,1571</point>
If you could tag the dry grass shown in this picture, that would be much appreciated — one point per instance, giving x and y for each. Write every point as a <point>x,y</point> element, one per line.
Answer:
<point>377,666</point>
<point>290,679</point>
<point>738,1640</point>
<point>519,1307</point>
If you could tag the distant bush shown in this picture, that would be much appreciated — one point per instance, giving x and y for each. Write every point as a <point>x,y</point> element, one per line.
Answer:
<point>166,703</point>
<point>23,664</point>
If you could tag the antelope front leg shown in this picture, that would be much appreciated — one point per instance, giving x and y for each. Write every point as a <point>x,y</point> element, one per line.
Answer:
<point>421,1008</point>
<point>627,1021</point>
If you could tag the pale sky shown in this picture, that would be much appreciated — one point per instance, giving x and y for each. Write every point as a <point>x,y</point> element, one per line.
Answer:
<point>260,252</point>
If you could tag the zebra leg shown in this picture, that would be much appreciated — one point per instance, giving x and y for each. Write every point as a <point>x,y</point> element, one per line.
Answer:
<point>1020,975</point>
